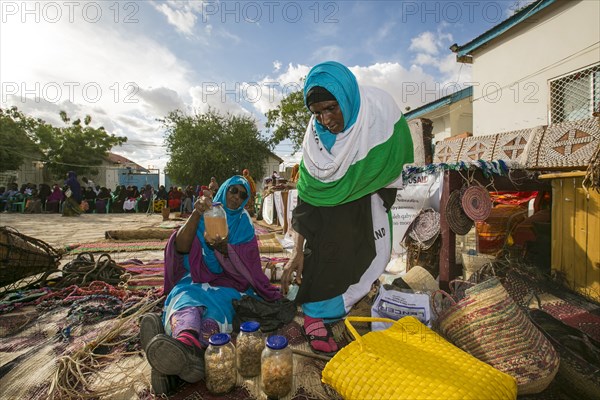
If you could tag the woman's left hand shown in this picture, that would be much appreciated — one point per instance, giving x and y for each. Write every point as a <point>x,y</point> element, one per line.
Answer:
<point>218,243</point>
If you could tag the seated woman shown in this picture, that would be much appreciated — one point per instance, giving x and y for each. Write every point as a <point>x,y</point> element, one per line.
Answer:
<point>175,197</point>
<point>145,198</point>
<point>89,196</point>
<point>53,201</point>
<point>102,200</point>
<point>202,276</point>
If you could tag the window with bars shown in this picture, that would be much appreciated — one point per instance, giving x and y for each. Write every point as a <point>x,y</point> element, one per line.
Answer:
<point>575,96</point>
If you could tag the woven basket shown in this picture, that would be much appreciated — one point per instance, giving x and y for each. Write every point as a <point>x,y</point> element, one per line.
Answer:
<point>410,361</point>
<point>476,203</point>
<point>425,228</point>
<point>489,325</point>
<point>22,256</point>
<point>458,221</point>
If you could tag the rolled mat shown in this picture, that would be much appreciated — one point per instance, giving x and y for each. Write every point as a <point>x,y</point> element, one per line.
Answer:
<point>151,233</point>
<point>425,227</point>
<point>458,221</point>
<point>476,203</point>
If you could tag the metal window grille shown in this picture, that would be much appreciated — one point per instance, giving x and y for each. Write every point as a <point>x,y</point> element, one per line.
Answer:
<point>575,96</point>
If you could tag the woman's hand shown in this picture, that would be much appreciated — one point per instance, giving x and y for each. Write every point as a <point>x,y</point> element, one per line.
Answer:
<point>203,204</point>
<point>218,243</point>
<point>294,265</point>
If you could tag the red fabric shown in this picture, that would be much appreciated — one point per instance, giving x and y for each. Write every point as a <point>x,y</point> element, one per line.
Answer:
<point>512,198</point>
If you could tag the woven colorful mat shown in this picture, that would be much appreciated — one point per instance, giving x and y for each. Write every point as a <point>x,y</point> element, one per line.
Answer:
<point>269,244</point>
<point>144,275</point>
<point>114,247</point>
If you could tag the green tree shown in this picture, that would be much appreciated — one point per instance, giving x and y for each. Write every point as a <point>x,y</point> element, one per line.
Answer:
<point>212,144</point>
<point>17,134</point>
<point>76,147</point>
<point>289,120</point>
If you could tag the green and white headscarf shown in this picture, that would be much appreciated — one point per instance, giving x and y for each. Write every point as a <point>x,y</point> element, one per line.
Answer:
<point>366,156</point>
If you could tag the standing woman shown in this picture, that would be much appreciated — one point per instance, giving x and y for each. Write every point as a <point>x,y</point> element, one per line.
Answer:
<point>354,150</point>
<point>72,204</point>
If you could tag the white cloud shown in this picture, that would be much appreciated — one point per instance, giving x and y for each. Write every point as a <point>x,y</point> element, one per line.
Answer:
<point>276,65</point>
<point>179,14</point>
<point>425,42</point>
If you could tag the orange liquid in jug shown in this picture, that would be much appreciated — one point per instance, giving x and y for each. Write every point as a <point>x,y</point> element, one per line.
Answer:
<point>215,226</point>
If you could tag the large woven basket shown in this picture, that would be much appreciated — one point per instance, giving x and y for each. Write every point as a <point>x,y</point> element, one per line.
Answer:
<point>22,256</point>
<point>410,361</point>
<point>489,325</point>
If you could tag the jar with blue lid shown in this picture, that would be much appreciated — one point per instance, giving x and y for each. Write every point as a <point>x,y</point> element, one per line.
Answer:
<point>277,367</point>
<point>215,221</point>
<point>219,359</point>
<point>248,349</point>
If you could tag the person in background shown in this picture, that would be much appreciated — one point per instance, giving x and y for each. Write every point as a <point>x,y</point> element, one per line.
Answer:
<point>175,196</point>
<point>88,183</point>
<point>161,199</point>
<point>130,199</point>
<point>43,193</point>
<point>33,204</point>
<point>72,203</point>
<point>213,186</point>
<point>53,201</point>
<point>353,153</point>
<point>250,204</point>
<point>118,199</point>
<point>89,196</point>
<point>102,200</point>
<point>188,200</point>
<point>202,276</point>
<point>145,198</point>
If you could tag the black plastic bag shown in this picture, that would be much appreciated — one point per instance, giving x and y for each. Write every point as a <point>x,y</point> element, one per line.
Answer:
<point>270,315</point>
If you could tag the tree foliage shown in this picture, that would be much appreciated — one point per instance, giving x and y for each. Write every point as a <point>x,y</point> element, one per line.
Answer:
<point>289,120</point>
<point>75,147</point>
<point>17,132</point>
<point>212,144</point>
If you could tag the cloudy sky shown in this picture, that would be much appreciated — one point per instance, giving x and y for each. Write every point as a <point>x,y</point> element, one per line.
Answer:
<point>128,63</point>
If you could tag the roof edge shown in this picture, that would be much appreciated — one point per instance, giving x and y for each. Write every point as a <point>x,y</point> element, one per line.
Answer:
<point>517,18</point>
<point>443,101</point>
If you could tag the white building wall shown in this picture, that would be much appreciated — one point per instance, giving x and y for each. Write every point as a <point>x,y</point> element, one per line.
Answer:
<point>522,61</point>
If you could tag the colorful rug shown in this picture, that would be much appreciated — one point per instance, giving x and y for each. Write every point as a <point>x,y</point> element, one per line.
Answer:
<point>114,247</point>
<point>557,300</point>
<point>144,276</point>
<point>260,230</point>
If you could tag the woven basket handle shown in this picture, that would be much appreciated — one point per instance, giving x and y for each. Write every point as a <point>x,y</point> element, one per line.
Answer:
<point>353,331</point>
<point>434,304</point>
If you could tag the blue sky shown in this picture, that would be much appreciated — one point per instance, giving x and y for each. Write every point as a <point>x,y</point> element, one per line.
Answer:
<point>127,63</point>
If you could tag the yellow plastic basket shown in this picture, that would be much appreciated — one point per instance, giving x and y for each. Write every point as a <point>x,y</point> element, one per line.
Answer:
<point>410,361</point>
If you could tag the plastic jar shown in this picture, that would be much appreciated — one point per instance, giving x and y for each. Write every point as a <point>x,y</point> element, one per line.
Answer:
<point>219,361</point>
<point>215,221</point>
<point>277,367</point>
<point>248,349</point>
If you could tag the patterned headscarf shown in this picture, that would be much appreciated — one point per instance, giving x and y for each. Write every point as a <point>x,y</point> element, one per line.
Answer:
<point>239,224</point>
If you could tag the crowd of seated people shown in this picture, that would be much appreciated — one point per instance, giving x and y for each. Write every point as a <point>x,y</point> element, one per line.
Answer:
<point>43,198</point>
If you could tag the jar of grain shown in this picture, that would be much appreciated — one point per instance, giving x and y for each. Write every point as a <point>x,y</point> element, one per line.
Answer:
<point>219,359</point>
<point>248,349</point>
<point>215,221</point>
<point>277,368</point>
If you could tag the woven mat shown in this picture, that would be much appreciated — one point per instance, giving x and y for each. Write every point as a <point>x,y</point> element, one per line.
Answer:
<point>114,247</point>
<point>144,275</point>
<point>564,305</point>
<point>37,334</point>
<point>269,243</point>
